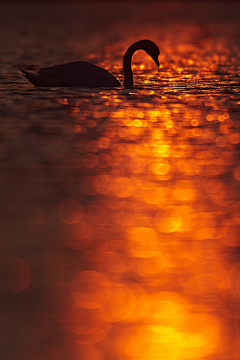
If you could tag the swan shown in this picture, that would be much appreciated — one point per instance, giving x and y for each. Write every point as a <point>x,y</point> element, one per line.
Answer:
<point>85,74</point>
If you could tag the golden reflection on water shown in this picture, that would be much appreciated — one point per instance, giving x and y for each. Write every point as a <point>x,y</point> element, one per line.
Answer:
<point>160,205</point>
<point>148,224</point>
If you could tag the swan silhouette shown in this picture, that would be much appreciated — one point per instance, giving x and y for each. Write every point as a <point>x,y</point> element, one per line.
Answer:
<point>85,74</point>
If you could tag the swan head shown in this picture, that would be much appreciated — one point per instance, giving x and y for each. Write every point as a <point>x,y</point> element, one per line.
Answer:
<point>151,48</point>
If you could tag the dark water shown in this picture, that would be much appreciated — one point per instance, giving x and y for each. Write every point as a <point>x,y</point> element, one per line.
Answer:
<point>120,207</point>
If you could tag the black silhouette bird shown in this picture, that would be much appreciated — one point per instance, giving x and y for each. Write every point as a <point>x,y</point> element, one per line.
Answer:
<point>85,74</point>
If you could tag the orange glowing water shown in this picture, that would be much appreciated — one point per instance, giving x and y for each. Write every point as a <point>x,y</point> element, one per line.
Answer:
<point>120,215</point>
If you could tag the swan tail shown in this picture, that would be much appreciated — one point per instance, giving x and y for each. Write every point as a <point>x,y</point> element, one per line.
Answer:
<point>23,71</point>
<point>38,80</point>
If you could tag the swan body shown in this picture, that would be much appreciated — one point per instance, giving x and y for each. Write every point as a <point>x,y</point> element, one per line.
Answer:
<point>85,74</point>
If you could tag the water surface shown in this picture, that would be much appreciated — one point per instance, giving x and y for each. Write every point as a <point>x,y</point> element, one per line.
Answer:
<point>120,207</point>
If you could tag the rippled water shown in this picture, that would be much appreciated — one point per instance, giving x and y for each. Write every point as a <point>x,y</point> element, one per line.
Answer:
<point>120,207</point>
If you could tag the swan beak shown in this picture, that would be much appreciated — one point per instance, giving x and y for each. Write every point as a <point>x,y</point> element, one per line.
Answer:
<point>157,62</point>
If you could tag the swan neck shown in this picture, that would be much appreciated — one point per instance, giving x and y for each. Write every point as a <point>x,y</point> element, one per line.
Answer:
<point>127,69</point>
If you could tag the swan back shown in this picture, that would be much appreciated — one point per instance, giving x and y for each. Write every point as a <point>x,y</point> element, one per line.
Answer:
<point>80,73</point>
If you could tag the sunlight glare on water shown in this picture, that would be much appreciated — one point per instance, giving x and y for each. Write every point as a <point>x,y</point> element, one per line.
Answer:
<point>121,206</point>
